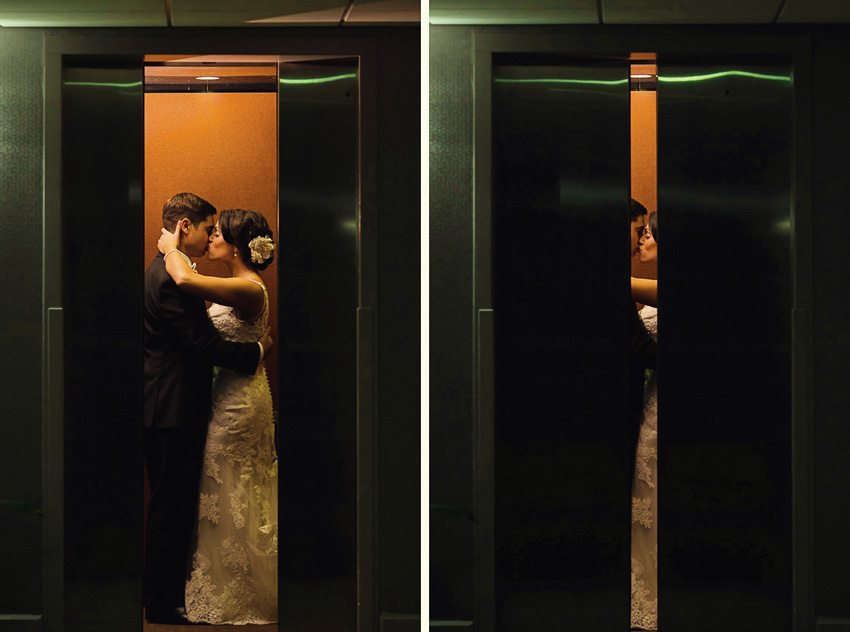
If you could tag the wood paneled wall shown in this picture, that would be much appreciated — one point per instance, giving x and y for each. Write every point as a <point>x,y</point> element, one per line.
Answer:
<point>222,147</point>
<point>644,164</point>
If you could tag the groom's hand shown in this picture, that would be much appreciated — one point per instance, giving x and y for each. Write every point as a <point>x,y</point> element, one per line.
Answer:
<point>266,341</point>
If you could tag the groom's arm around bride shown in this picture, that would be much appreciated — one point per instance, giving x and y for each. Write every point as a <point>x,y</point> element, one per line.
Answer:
<point>181,347</point>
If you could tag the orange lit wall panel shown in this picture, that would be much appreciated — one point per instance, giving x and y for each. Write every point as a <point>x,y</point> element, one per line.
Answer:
<point>644,162</point>
<point>222,147</point>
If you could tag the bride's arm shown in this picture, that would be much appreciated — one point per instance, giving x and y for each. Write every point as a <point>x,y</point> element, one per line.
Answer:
<point>244,295</point>
<point>644,291</point>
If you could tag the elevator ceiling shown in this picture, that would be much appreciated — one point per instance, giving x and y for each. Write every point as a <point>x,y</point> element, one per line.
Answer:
<point>259,13</point>
<point>200,13</point>
<point>637,11</point>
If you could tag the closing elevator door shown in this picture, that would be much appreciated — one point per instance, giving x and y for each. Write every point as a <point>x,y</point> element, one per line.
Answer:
<point>317,432</point>
<point>724,413</point>
<point>561,320</point>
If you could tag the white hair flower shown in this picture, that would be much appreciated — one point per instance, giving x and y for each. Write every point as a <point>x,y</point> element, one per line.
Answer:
<point>261,249</point>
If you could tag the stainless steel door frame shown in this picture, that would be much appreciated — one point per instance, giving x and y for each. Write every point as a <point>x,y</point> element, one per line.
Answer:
<point>707,43</point>
<point>58,50</point>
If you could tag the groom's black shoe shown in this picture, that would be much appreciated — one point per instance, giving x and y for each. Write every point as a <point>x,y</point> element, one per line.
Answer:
<point>168,616</point>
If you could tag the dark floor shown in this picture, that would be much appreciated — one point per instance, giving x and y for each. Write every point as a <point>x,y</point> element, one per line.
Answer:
<point>158,627</point>
<point>162,627</point>
<point>324,605</point>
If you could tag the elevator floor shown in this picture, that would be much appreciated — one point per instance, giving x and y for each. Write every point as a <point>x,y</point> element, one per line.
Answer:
<point>157,627</point>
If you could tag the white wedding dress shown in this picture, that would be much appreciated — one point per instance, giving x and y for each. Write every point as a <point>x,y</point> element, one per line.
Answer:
<point>234,566</point>
<point>644,502</point>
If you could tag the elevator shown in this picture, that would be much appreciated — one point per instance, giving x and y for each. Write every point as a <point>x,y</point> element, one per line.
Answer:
<point>553,461</point>
<point>321,213</point>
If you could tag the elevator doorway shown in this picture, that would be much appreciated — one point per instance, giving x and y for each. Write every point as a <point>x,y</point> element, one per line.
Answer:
<point>312,111</point>
<point>552,353</point>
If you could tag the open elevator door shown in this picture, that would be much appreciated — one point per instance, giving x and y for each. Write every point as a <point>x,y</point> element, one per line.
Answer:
<point>560,283</point>
<point>102,250</point>
<point>725,150</point>
<point>318,195</point>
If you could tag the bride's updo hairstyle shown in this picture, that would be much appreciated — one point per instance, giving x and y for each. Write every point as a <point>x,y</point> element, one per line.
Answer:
<point>239,227</point>
<point>652,222</point>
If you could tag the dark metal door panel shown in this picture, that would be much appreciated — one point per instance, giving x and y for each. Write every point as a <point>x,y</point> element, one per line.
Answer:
<point>724,177</point>
<point>560,299</point>
<point>102,220</point>
<point>317,431</point>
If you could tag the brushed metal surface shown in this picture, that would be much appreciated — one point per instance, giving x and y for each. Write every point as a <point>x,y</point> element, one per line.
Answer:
<point>689,12</point>
<point>560,301</point>
<point>451,330</point>
<point>21,306</point>
<point>724,177</point>
<point>102,284</point>
<point>317,432</point>
<point>814,11</point>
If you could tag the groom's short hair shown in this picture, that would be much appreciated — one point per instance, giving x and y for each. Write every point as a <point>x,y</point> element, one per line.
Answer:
<point>636,209</point>
<point>185,205</point>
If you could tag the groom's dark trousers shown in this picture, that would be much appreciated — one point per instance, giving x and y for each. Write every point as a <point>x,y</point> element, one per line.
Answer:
<point>173,458</point>
<point>181,348</point>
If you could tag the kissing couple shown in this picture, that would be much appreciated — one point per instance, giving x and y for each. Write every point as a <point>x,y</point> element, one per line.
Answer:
<point>211,535</point>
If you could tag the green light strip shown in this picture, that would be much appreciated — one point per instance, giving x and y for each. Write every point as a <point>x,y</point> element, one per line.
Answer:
<point>725,73</point>
<point>319,79</point>
<point>597,82</point>
<point>103,85</point>
<point>714,75</point>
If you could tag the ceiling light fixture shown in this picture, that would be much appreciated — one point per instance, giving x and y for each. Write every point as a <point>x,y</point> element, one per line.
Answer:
<point>207,78</point>
<point>641,76</point>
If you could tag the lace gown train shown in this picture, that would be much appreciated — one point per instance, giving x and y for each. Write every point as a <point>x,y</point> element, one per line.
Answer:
<point>234,566</point>
<point>644,505</point>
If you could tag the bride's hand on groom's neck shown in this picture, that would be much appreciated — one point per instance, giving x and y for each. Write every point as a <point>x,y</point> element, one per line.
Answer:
<point>169,240</point>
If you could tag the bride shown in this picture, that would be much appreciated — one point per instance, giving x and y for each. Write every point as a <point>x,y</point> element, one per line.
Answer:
<point>644,491</point>
<point>234,565</point>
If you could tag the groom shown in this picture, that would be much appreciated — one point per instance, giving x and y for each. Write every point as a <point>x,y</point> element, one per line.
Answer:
<point>181,347</point>
<point>643,352</point>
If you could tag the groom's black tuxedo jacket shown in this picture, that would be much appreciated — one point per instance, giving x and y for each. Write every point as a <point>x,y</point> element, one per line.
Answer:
<point>181,348</point>
<point>643,354</point>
